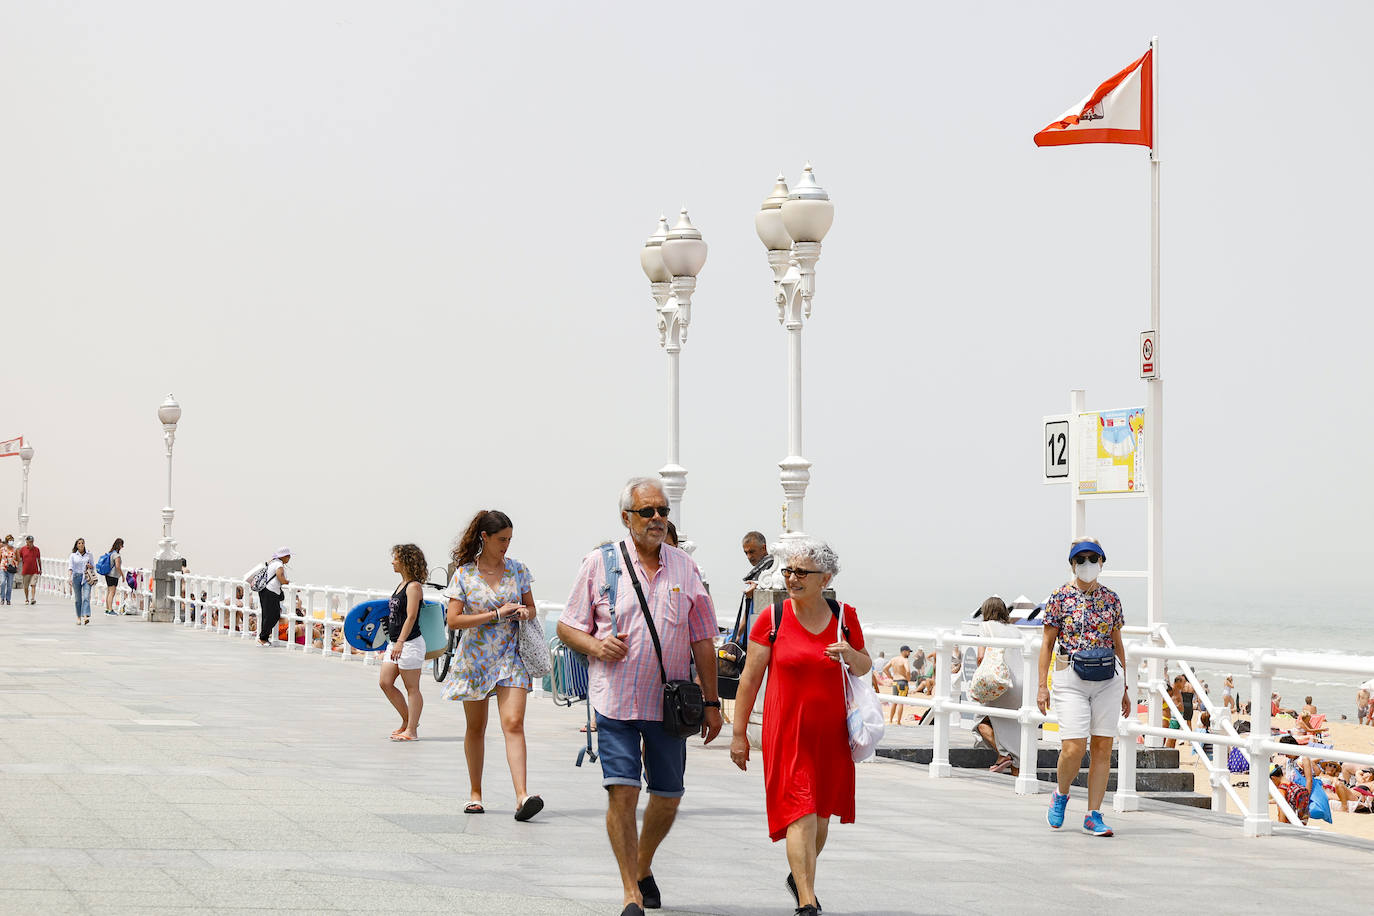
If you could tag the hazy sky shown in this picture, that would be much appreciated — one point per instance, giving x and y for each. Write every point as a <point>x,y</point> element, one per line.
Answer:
<point>386,256</point>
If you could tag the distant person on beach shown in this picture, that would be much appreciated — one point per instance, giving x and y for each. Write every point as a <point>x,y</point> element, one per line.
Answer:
<point>405,657</point>
<point>808,769</point>
<point>1001,734</point>
<point>113,577</point>
<point>626,681</point>
<point>30,568</point>
<point>1084,619</point>
<point>489,595</point>
<point>77,564</point>
<point>9,567</point>
<point>270,595</point>
<point>1276,707</point>
<point>899,669</point>
<point>1228,695</point>
<point>1363,713</point>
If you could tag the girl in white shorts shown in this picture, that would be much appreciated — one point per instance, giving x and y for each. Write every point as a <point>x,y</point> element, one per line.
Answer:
<point>1084,619</point>
<point>406,654</point>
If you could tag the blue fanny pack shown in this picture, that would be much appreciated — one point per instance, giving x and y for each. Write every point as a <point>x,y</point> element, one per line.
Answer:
<point>1094,664</point>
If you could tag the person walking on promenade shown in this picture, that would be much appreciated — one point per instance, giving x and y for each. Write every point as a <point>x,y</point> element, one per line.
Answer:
<point>270,597</point>
<point>9,565</point>
<point>78,564</point>
<point>488,596</point>
<point>1085,619</point>
<point>406,655</point>
<point>808,769</point>
<point>30,568</point>
<point>627,670</point>
<point>1002,735</point>
<point>114,575</point>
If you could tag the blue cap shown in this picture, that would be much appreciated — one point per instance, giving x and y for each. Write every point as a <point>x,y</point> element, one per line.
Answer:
<point>1087,547</point>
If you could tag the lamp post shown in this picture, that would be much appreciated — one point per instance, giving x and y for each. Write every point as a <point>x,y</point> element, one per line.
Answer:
<point>26,456</point>
<point>671,260</point>
<point>791,225</point>
<point>168,414</point>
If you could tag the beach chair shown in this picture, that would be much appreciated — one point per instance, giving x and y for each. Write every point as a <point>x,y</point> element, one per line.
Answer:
<point>568,685</point>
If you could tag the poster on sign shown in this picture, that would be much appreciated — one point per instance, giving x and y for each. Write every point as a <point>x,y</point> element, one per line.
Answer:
<point>10,447</point>
<point>1111,452</point>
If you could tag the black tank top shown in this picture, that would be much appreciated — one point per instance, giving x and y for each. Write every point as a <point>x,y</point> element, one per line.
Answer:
<point>397,620</point>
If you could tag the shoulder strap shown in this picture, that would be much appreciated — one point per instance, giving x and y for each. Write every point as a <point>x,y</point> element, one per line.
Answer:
<point>776,621</point>
<point>610,565</point>
<point>648,618</point>
<point>834,610</point>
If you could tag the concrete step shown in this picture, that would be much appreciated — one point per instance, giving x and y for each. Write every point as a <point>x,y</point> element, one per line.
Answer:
<point>1146,780</point>
<point>981,758</point>
<point>1191,799</point>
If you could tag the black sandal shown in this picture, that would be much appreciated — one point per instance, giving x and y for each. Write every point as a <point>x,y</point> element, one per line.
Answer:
<point>531,806</point>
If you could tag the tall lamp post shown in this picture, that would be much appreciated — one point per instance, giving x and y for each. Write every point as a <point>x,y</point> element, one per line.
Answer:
<point>26,456</point>
<point>671,260</point>
<point>168,414</point>
<point>791,225</point>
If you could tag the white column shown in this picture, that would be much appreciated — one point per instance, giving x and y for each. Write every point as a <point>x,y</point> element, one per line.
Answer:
<point>675,316</point>
<point>1257,823</point>
<point>1126,798</point>
<point>1028,782</point>
<point>939,761</point>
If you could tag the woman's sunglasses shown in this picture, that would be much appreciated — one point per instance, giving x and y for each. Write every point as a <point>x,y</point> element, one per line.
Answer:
<point>648,511</point>
<point>789,572</point>
<point>1086,558</point>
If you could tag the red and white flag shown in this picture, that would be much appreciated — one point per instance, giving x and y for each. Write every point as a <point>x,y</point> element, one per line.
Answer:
<point>10,447</point>
<point>1121,110</point>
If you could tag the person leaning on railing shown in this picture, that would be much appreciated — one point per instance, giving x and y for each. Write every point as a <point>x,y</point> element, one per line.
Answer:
<point>1084,619</point>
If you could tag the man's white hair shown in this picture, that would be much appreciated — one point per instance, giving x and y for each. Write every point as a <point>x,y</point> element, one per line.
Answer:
<point>815,550</point>
<point>627,495</point>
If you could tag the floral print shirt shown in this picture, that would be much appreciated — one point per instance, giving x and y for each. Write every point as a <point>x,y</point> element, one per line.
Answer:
<point>487,657</point>
<point>1085,620</point>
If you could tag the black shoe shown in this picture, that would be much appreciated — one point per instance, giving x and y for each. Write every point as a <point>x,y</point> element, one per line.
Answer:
<point>792,889</point>
<point>807,910</point>
<point>632,909</point>
<point>648,889</point>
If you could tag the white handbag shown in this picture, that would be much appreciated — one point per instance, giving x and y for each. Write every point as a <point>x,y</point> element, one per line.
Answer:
<point>534,648</point>
<point>863,712</point>
<point>992,679</point>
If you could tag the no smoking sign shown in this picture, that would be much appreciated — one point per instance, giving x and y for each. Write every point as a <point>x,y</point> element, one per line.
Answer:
<point>1149,354</point>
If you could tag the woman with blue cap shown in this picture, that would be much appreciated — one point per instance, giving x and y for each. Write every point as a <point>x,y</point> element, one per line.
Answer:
<point>1083,619</point>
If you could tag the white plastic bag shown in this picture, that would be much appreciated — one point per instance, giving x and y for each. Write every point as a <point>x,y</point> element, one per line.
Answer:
<point>863,712</point>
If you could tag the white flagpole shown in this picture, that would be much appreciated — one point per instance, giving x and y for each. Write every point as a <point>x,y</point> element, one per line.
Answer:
<point>1154,401</point>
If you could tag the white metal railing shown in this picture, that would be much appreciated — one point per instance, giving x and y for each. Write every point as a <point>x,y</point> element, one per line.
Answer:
<point>55,579</point>
<point>1258,745</point>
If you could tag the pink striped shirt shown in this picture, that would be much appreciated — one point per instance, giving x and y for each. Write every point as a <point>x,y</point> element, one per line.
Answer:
<point>683,614</point>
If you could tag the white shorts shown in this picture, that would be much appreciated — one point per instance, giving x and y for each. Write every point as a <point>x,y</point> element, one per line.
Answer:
<point>412,654</point>
<point>1087,708</point>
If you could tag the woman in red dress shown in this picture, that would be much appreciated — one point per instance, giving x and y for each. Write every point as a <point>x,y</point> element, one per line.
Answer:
<point>808,771</point>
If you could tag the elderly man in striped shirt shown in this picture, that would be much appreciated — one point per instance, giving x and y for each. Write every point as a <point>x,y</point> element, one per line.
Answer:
<point>625,683</point>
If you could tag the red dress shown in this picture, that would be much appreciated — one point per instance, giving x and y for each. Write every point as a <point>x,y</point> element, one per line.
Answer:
<point>807,766</point>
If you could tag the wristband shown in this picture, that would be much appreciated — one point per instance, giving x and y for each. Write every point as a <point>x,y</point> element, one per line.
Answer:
<point>715,703</point>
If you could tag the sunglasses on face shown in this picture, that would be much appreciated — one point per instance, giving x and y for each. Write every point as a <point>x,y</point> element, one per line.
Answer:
<point>648,511</point>
<point>1086,558</point>
<point>790,573</point>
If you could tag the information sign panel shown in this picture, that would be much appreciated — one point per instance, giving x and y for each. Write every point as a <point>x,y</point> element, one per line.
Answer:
<point>1111,452</point>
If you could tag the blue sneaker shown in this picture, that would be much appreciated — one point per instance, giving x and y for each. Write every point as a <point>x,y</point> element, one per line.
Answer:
<point>1056,813</point>
<point>1092,824</point>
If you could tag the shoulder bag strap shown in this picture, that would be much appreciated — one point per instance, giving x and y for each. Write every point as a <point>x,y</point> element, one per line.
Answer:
<point>648,618</point>
<point>777,621</point>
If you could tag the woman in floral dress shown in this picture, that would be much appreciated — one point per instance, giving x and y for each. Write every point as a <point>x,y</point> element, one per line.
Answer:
<point>487,597</point>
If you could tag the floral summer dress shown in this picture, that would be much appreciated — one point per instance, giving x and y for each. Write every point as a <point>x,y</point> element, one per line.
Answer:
<point>487,657</point>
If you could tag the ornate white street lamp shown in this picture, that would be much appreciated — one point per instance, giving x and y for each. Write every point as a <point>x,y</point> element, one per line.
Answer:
<point>168,414</point>
<point>791,225</point>
<point>26,456</point>
<point>672,259</point>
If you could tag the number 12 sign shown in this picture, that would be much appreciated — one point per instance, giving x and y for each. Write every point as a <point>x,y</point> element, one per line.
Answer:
<point>1054,444</point>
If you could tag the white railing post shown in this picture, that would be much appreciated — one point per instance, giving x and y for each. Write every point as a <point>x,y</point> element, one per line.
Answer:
<point>1153,707</point>
<point>1257,823</point>
<point>939,763</point>
<point>1126,798</point>
<point>1028,781</point>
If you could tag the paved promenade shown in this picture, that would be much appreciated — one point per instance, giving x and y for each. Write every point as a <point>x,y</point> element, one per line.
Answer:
<point>150,769</point>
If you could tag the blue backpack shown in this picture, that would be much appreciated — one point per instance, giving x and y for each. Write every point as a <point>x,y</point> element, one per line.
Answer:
<point>105,565</point>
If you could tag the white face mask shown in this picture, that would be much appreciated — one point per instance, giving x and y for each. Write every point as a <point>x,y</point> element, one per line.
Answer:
<point>1087,572</point>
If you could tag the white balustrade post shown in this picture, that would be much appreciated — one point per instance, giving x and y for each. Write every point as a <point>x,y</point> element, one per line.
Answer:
<point>1257,823</point>
<point>1126,798</point>
<point>939,762</point>
<point>1028,782</point>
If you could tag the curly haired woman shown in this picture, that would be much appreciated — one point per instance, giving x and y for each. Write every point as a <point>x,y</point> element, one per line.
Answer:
<point>406,655</point>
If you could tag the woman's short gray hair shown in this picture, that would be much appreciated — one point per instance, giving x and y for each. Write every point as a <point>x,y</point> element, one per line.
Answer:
<point>627,495</point>
<point>813,549</point>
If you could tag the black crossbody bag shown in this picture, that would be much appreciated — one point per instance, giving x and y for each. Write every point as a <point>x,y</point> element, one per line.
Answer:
<point>684,705</point>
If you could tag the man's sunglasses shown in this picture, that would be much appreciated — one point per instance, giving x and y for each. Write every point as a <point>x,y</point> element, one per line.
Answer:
<point>648,511</point>
<point>788,572</point>
<point>1086,558</point>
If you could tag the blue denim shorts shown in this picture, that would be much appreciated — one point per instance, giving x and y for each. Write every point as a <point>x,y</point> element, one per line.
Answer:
<point>664,759</point>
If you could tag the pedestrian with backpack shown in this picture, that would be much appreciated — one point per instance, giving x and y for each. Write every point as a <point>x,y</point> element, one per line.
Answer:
<point>111,567</point>
<point>268,585</point>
